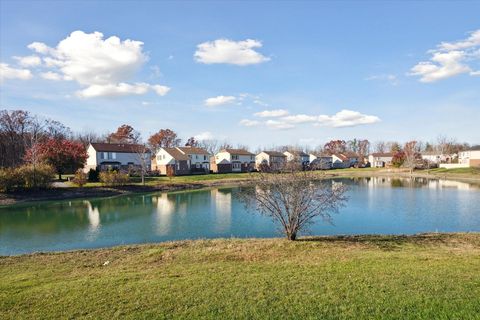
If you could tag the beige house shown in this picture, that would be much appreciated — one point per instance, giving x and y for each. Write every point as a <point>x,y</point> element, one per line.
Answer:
<point>232,160</point>
<point>274,160</point>
<point>470,157</point>
<point>181,161</point>
<point>299,157</point>
<point>380,159</point>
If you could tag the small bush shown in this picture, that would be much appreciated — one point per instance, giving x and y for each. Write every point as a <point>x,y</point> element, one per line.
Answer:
<point>10,180</point>
<point>26,177</point>
<point>80,178</point>
<point>114,178</point>
<point>38,177</point>
<point>93,175</point>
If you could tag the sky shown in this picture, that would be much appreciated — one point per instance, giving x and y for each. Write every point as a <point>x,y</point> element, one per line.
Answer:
<point>252,73</point>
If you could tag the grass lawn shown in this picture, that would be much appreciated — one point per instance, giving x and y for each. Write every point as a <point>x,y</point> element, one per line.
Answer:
<point>468,171</point>
<point>382,277</point>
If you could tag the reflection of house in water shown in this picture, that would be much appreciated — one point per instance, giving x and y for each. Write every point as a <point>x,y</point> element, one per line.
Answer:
<point>93,218</point>
<point>437,184</point>
<point>222,200</point>
<point>165,208</point>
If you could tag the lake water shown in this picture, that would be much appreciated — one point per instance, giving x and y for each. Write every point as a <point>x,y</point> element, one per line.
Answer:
<point>375,206</point>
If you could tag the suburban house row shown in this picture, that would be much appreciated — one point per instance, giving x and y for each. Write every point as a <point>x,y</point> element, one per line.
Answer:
<point>194,160</point>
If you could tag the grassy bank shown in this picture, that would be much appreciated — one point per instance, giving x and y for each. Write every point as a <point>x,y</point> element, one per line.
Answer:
<point>419,277</point>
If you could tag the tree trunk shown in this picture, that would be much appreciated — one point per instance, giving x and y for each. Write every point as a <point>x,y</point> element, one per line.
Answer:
<point>291,236</point>
<point>143,178</point>
<point>60,176</point>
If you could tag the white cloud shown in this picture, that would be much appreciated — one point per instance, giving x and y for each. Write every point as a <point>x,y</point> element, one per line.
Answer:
<point>219,100</point>
<point>390,78</point>
<point>49,75</point>
<point>281,125</point>
<point>344,118</point>
<point>271,113</point>
<point>449,59</point>
<point>7,72</point>
<point>28,61</point>
<point>249,123</point>
<point>207,135</point>
<point>240,53</point>
<point>114,90</point>
<point>101,65</point>
<point>347,118</point>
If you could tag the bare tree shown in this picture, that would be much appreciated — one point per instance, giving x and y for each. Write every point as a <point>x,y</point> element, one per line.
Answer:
<point>211,145</point>
<point>411,155</point>
<point>293,199</point>
<point>144,158</point>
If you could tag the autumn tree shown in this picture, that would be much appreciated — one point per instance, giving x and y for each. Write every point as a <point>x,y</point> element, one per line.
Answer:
<point>124,134</point>
<point>398,159</point>
<point>335,146</point>
<point>62,154</point>
<point>165,138</point>
<point>191,142</point>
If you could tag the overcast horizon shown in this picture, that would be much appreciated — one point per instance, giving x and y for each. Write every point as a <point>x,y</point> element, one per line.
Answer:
<point>254,73</point>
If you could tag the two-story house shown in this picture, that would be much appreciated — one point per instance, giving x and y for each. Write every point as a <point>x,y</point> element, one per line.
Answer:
<point>470,157</point>
<point>380,159</point>
<point>344,160</point>
<point>181,161</point>
<point>233,160</point>
<point>299,157</point>
<point>270,160</point>
<point>107,156</point>
<point>320,161</point>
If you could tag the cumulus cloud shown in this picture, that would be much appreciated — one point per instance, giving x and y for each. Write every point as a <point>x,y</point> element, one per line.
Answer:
<point>7,72</point>
<point>449,59</point>
<point>219,101</point>
<point>28,61</point>
<point>207,135</point>
<point>102,66</point>
<point>343,118</point>
<point>240,53</point>
<point>49,75</point>
<point>271,113</point>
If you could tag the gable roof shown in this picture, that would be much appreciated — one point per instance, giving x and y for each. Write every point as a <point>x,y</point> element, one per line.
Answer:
<point>274,153</point>
<point>117,147</point>
<point>192,150</point>
<point>176,154</point>
<point>242,152</point>
<point>382,154</point>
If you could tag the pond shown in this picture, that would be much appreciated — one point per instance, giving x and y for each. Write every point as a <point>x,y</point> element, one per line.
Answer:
<point>375,206</point>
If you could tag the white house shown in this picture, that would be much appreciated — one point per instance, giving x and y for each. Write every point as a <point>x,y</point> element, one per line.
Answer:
<point>298,157</point>
<point>233,160</point>
<point>105,156</point>
<point>273,159</point>
<point>181,160</point>
<point>320,161</point>
<point>471,157</point>
<point>344,160</point>
<point>437,157</point>
<point>380,159</point>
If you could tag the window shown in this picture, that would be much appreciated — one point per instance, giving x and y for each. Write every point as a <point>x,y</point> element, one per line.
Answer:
<point>234,156</point>
<point>104,155</point>
<point>114,155</point>
<point>178,165</point>
<point>205,158</point>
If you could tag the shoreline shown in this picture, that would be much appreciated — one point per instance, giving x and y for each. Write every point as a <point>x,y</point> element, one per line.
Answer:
<point>66,193</point>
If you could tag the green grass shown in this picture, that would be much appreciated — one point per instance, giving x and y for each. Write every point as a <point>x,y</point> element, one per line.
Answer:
<point>365,277</point>
<point>469,171</point>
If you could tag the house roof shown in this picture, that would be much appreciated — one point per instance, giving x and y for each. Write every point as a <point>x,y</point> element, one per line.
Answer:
<point>274,153</point>
<point>117,147</point>
<point>192,150</point>
<point>382,154</point>
<point>176,154</point>
<point>242,152</point>
<point>298,153</point>
<point>474,148</point>
<point>321,155</point>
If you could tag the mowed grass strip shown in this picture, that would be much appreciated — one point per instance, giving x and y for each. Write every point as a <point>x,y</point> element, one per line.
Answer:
<point>433,276</point>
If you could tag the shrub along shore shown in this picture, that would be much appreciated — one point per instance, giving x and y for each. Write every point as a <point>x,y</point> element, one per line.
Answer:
<point>154,184</point>
<point>434,276</point>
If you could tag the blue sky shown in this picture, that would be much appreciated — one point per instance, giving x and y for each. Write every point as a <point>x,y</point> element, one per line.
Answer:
<point>275,72</point>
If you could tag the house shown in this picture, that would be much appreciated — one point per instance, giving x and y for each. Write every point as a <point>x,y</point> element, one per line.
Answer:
<point>199,159</point>
<point>344,160</point>
<point>320,161</point>
<point>380,159</point>
<point>232,160</point>
<point>273,160</point>
<point>299,157</point>
<point>436,157</point>
<point>106,156</point>
<point>470,157</point>
<point>181,161</point>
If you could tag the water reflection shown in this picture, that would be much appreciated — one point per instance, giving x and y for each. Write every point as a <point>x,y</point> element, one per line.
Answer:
<point>376,205</point>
